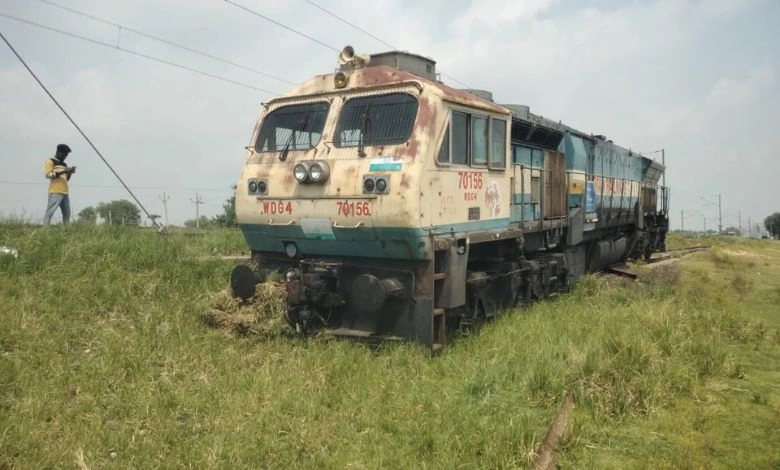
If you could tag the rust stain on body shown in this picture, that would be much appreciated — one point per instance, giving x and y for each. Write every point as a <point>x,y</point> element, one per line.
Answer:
<point>406,181</point>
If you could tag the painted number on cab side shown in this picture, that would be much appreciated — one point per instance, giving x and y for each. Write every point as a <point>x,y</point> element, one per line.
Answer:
<point>353,208</point>
<point>469,180</point>
<point>277,207</point>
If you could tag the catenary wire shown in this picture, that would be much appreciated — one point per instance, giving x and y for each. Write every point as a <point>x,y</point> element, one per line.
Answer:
<point>249,10</point>
<point>165,41</point>
<point>159,227</point>
<point>137,54</point>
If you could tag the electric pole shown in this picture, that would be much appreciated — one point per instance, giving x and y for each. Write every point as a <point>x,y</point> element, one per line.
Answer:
<point>705,224</point>
<point>740,222</point>
<point>750,229</point>
<point>197,201</point>
<point>720,218</point>
<point>164,198</point>
<point>682,221</point>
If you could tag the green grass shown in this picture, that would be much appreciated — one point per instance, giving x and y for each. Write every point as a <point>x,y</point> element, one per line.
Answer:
<point>104,361</point>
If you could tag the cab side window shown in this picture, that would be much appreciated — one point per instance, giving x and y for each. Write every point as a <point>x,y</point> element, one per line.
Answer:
<point>460,139</point>
<point>479,141</point>
<point>472,140</point>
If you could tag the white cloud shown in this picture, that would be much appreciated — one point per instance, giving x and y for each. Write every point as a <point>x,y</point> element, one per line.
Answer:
<point>733,93</point>
<point>726,7</point>
<point>486,13</point>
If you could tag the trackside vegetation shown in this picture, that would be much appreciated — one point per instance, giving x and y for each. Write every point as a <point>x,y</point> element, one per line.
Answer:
<point>105,361</point>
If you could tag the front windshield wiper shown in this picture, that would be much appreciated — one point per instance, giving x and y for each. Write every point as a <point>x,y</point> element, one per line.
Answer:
<point>301,126</point>
<point>364,120</point>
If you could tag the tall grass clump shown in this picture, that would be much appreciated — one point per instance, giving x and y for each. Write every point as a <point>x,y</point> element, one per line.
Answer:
<point>629,349</point>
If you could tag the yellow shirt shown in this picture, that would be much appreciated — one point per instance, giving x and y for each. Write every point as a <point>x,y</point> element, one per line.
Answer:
<point>58,184</point>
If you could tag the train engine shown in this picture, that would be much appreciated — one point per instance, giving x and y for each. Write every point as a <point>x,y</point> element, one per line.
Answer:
<point>397,207</point>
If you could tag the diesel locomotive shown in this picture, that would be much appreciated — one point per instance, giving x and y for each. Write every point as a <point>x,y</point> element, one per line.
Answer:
<point>397,207</point>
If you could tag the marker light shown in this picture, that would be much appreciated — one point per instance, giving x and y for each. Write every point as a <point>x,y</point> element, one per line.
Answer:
<point>291,249</point>
<point>381,185</point>
<point>319,171</point>
<point>368,185</point>
<point>301,173</point>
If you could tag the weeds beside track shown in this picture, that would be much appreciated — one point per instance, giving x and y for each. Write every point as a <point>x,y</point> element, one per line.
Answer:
<point>105,362</point>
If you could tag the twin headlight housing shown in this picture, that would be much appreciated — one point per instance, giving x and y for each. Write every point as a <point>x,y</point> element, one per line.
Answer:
<point>316,172</point>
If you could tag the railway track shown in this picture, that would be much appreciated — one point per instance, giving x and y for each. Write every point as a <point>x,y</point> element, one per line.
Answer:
<point>625,270</point>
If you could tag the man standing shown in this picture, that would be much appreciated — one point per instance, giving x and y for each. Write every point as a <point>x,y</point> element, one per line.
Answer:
<point>59,174</point>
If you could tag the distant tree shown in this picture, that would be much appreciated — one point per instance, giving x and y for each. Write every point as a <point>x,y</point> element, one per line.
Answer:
<point>88,215</point>
<point>772,224</point>
<point>732,231</point>
<point>154,217</point>
<point>204,223</point>
<point>119,212</point>
<point>228,217</point>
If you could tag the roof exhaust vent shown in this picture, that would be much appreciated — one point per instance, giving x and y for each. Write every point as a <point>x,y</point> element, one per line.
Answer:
<point>415,64</point>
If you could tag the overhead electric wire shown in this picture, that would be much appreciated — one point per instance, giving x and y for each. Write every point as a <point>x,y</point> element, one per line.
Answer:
<point>160,228</point>
<point>165,41</point>
<point>137,54</point>
<point>454,79</point>
<point>350,24</point>
<point>249,10</point>
<point>353,25</point>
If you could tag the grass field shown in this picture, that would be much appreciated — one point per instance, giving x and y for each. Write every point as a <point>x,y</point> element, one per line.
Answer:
<point>105,362</point>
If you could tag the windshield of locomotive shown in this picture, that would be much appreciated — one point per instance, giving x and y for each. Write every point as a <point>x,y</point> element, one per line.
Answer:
<point>376,120</point>
<point>293,127</point>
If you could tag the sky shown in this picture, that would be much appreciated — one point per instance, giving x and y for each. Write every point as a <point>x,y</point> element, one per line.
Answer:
<point>697,78</point>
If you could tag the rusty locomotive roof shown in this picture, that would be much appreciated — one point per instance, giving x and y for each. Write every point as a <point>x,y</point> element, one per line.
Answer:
<point>379,76</point>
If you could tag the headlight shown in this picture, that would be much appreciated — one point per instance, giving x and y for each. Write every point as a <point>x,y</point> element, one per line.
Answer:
<point>319,171</point>
<point>340,80</point>
<point>301,173</point>
<point>368,185</point>
<point>252,187</point>
<point>262,187</point>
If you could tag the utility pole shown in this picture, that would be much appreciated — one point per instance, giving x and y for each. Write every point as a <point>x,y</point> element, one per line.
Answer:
<point>197,201</point>
<point>750,229</point>
<point>164,198</point>
<point>740,223</point>
<point>682,221</point>
<point>705,224</point>
<point>720,218</point>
